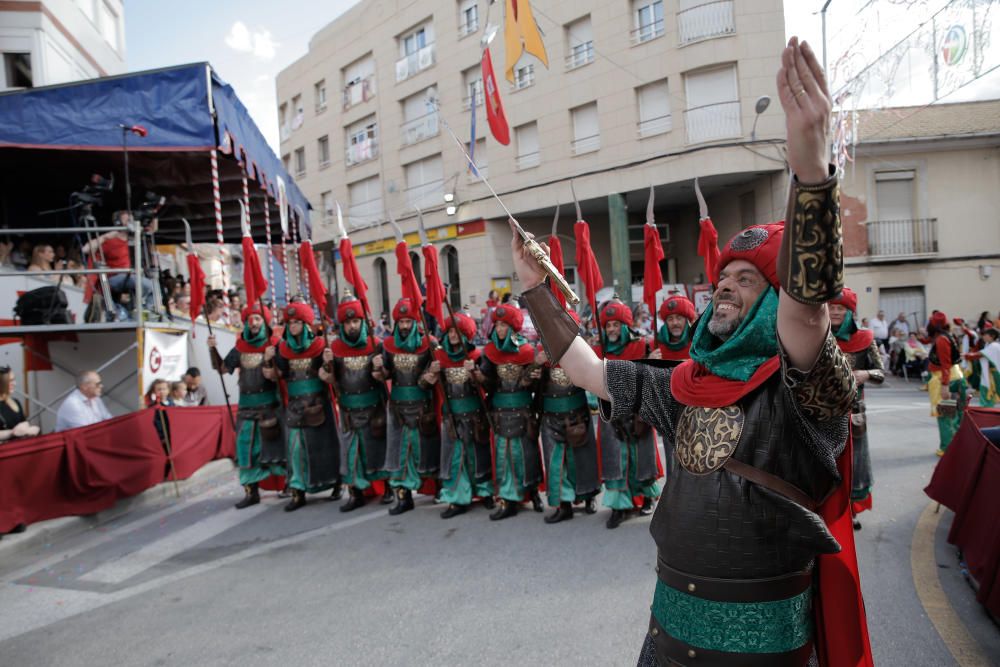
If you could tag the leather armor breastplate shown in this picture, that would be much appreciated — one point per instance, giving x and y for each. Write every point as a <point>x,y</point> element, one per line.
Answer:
<point>354,375</point>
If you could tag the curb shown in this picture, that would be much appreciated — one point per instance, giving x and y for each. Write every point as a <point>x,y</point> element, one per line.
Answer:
<point>45,532</point>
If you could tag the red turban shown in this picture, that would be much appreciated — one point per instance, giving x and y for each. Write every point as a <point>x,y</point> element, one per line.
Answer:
<point>465,325</point>
<point>300,311</point>
<point>255,309</point>
<point>678,305</point>
<point>405,310</point>
<point>848,299</point>
<point>512,315</point>
<point>349,309</point>
<point>758,245</point>
<point>615,310</point>
<point>939,319</point>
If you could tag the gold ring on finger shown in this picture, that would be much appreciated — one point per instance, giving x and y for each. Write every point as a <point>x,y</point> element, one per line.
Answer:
<point>801,91</point>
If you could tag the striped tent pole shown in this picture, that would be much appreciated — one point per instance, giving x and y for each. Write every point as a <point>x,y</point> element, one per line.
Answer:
<point>219,236</point>
<point>302,284</point>
<point>284,266</point>
<point>270,256</point>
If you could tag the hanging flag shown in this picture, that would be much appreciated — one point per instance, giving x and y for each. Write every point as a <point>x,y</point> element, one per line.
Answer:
<point>708,239</point>
<point>652,279</point>
<point>351,273</point>
<point>317,290</point>
<point>196,277</point>
<point>586,266</point>
<point>494,107</point>
<point>408,279</point>
<point>435,288</point>
<point>521,34</point>
<point>556,255</point>
<point>253,275</point>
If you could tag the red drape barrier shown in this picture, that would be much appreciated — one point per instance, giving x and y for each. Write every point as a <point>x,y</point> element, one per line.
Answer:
<point>967,481</point>
<point>86,470</point>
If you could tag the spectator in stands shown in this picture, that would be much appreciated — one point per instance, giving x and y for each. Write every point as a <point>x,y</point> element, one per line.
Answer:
<point>12,422</point>
<point>196,394</point>
<point>902,324</point>
<point>83,406</point>
<point>6,248</point>
<point>159,393</point>
<point>182,304</point>
<point>881,330</point>
<point>42,258</point>
<point>178,393</point>
<point>21,257</point>
<point>117,255</point>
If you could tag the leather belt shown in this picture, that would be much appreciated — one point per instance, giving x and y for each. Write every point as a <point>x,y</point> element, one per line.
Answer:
<point>771,482</point>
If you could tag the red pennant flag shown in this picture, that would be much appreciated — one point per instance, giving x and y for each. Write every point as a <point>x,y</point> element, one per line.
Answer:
<point>88,291</point>
<point>494,107</point>
<point>317,290</point>
<point>351,273</point>
<point>556,254</point>
<point>404,267</point>
<point>197,279</point>
<point>586,265</point>
<point>652,279</point>
<point>708,249</point>
<point>435,288</point>
<point>253,276</point>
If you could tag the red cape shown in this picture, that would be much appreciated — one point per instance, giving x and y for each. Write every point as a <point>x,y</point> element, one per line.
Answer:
<point>442,357</point>
<point>693,384</point>
<point>342,349</point>
<point>525,355</point>
<point>859,340</point>
<point>314,350</point>
<point>682,354</point>
<point>244,347</point>
<point>634,351</point>
<point>389,343</point>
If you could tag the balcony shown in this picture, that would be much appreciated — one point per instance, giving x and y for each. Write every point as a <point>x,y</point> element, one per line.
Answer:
<point>657,125</point>
<point>583,54</point>
<point>893,239</point>
<point>524,77</point>
<point>414,63</point>
<point>645,33</point>
<point>712,19</point>
<point>426,194</point>
<point>363,151</point>
<point>587,144</point>
<point>712,122</point>
<point>467,102</point>
<point>418,129</point>
<point>359,92</point>
<point>528,160</point>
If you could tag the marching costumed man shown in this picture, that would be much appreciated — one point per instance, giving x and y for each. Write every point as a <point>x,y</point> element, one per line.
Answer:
<point>756,562</point>
<point>413,444</point>
<point>568,440</point>
<point>260,443</point>
<point>946,387</point>
<point>674,337</point>
<point>362,426</point>
<point>467,466</point>
<point>313,448</point>
<point>986,369</point>
<point>629,460</point>
<point>862,353</point>
<point>508,372</point>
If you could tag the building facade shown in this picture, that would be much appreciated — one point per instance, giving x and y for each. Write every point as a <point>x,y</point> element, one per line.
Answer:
<point>637,93</point>
<point>920,210</point>
<point>57,41</point>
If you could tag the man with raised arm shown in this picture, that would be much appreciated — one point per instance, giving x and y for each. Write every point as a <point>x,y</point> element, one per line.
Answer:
<point>755,547</point>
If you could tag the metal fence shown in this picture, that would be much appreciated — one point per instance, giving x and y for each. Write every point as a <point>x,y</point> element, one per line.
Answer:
<point>712,122</point>
<point>896,238</point>
<point>712,19</point>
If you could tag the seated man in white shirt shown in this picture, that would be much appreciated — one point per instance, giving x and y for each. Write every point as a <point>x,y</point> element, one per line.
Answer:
<point>84,406</point>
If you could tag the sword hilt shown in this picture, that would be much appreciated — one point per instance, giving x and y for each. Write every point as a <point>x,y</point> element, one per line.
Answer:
<point>545,262</point>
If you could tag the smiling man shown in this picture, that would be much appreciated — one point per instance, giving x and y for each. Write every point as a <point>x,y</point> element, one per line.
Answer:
<point>756,560</point>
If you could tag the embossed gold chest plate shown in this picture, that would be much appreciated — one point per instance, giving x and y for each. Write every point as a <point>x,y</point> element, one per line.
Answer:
<point>355,364</point>
<point>251,359</point>
<point>300,365</point>
<point>707,437</point>
<point>456,375</point>
<point>405,362</point>
<point>509,372</point>
<point>558,377</point>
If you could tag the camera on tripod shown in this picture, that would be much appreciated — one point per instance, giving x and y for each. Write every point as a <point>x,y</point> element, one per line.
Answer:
<point>93,193</point>
<point>151,206</point>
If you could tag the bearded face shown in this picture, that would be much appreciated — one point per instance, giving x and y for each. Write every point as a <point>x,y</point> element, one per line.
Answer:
<point>256,323</point>
<point>613,330</point>
<point>675,326</point>
<point>405,326</point>
<point>352,328</point>
<point>454,337</point>
<point>740,284</point>
<point>295,327</point>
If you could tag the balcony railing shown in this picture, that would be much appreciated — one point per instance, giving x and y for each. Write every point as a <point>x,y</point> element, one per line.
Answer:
<point>524,77</point>
<point>581,55</point>
<point>361,152</point>
<point>712,19</point>
<point>528,160</point>
<point>418,129</point>
<point>415,63</point>
<point>898,238</point>
<point>657,125</point>
<point>586,144</point>
<point>712,122</point>
<point>359,92</point>
<point>644,33</point>
<point>467,102</point>
<point>426,195</point>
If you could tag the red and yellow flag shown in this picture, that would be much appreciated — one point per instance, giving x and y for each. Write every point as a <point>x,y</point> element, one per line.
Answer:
<point>521,34</point>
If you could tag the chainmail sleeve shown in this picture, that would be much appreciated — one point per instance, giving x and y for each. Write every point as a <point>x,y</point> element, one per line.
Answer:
<point>640,389</point>
<point>876,371</point>
<point>231,362</point>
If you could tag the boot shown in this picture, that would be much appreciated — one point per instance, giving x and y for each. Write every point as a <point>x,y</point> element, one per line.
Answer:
<point>647,506</point>
<point>298,500</point>
<point>252,496</point>
<point>857,524</point>
<point>404,502</point>
<point>488,503</point>
<point>337,493</point>
<point>19,528</point>
<point>616,518</point>
<point>454,510</point>
<point>536,500</point>
<point>563,513</point>
<point>386,495</point>
<point>505,509</point>
<point>285,492</point>
<point>590,506</point>
<point>356,500</point>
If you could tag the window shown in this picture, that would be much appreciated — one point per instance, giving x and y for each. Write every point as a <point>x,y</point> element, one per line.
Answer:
<point>415,41</point>
<point>87,7</point>
<point>468,18</point>
<point>323,151</point>
<point>580,38</point>
<point>425,182</point>
<point>586,129</point>
<point>701,19</point>
<point>365,202</point>
<point>648,17</point>
<point>107,23</point>
<point>479,157</point>
<point>894,195</point>
<point>300,161</point>
<point>713,106</point>
<point>359,81</point>
<point>654,108</point>
<point>527,146</point>
<point>283,121</point>
<point>17,70</point>
<point>420,117</point>
<point>416,51</point>
<point>472,79</point>
<point>286,161</point>
<point>362,141</point>
<point>524,76</point>
<point>299,112</point>
<point>326,201</point>
<point>319,92</point>
<point>382,276</point>
<point>898,229</point>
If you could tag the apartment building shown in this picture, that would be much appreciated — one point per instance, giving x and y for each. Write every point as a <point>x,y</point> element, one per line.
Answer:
<point>637,93</point>
<point>921,211</point>
<point>60,41</point>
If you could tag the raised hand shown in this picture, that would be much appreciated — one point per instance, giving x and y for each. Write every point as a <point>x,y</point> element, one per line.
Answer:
<point>528,271</point>
<point>269,353</point>
<point>806,101</point>
<point>327,355</point>
<point>212,342</point>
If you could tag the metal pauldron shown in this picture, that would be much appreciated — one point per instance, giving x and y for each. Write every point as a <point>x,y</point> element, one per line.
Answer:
<point>827,390</point>
<point>811,260</point>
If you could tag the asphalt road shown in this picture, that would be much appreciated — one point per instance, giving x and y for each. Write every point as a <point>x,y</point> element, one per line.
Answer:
<point>194,582</point>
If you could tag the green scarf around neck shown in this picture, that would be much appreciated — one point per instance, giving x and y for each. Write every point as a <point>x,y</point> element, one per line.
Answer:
<point>411,342</point>
<point>663,336</point>
<point>362,339</point>
<point>754,341</point>
<point>509,345</point>
<point>300,343</point>
<point>847,327</point>
<point>256,340</point>
<point>456,355</point>
<point>616,347</point>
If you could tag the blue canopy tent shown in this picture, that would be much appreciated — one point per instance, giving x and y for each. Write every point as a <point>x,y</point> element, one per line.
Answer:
<point>53,139</point>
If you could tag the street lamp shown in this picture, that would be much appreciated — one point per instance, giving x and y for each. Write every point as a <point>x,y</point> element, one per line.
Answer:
<point>763,102</point>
